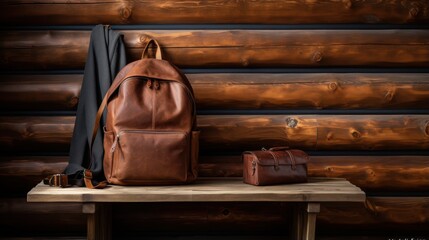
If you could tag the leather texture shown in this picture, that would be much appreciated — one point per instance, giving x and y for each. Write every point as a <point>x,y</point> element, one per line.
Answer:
<point>150,136</point>
<point>278,165</point>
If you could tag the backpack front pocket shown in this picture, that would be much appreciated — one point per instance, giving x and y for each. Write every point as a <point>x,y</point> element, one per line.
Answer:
<point>150,157</point>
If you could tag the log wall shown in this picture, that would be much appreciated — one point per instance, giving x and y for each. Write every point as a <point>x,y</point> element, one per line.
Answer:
<point>347,81</point>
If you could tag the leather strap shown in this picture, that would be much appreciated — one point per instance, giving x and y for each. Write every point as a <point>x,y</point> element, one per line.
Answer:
<point>276,161</point>
<point>87,177</point>
<point>292,160</point>
<point>278,148</point>
<point>158,54</point>
<point>57,180</point>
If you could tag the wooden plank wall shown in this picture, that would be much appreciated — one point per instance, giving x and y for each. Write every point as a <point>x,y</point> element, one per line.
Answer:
<point>347,81</point>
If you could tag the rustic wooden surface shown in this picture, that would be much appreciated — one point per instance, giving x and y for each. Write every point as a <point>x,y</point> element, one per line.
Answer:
<point>40,92</point>
<point>410,212</point>
<point>19,174</point>
<point>378,213</point>
<point>371,173</point>
<point>243,91</point>
<point>207,190</point>
<point>244,132</point>
<point>60,12</point>
<point>37,134</point>
<point>20,218</point>
<point>228,48</point>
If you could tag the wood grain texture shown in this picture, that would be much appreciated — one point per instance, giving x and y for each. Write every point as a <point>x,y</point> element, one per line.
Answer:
<point>20,218</point>
<point>244,132</point>
<point>36,134</point>
<point>228,48</point>
<point>379,213</point>
<point>371,173</point>
<point>19,174</point>
<point>243,91</point>
<point>406,213</point>
<point>40,92</point>
<point>314,132</point>
<point>76,12</point>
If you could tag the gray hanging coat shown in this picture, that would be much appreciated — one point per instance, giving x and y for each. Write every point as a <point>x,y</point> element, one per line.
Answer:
<point>106,56</point>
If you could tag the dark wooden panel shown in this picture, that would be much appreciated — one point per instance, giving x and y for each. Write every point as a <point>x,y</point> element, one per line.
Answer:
<point>229,48</point>
<point>243,132</point>
<point>36,134</point>
<point>371,173</point>
<point>243,91</point>
<point>39,92</point>
<point>242,236</point>
<point>61,12</point>
<point>397,213</point>
<point>19,174</point>
<point>379,213</point>
<point>20,218</point>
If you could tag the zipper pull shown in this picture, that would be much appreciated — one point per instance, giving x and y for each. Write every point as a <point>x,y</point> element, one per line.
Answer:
<point>149,83</point>
<point>114,143</point>
<point>156,83</point>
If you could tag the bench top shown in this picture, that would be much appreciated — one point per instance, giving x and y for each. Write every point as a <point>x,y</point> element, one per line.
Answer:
<point>207,190</point>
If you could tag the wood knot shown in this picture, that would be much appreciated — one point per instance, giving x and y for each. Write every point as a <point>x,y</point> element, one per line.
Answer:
<point>389,96</point>
<point>370,172</point>
<point>74,101</point>
<point>226,212</point>
<point>333,86</point>
<point>291,122</point>
<point>329,169</point>
<point>329,136</point>
<point>143,39</point>
<point>348,4</point>
<point>317,57</point>
<point>414,12</point>
<point>125,13</point>
<point>245,62</point>
<point>356,134</point>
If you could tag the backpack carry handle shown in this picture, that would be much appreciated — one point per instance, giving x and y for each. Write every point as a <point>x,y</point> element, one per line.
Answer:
<point>158,54</point>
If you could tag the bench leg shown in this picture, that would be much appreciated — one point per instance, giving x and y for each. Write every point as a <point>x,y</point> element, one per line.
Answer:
<point>98,220</point>
<point>309,227</point>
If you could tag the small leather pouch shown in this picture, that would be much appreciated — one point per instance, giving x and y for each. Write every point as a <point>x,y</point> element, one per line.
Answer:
<point>277,165</point>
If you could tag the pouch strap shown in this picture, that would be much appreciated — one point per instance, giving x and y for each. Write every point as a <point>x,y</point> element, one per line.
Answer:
<point>276,160</point>
<point>278,148</point>
<point>292,160</point>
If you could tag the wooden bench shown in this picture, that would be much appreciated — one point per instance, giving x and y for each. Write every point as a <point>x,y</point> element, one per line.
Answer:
<point>306,196</point>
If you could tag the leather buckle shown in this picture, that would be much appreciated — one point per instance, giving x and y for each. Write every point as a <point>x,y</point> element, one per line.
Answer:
<point>87,174</point>
<point>59,180</point>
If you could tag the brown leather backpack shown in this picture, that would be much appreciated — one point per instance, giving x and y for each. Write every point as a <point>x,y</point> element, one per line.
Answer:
<point>149,137</point>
